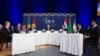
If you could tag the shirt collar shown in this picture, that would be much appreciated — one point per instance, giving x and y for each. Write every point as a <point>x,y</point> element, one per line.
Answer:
<point>95,25</point>
<point>80,27</point>
<point>7,27</point>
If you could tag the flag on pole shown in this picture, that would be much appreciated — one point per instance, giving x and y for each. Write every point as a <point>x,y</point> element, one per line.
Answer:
<point>74,26</point>
<point>65,23</point>
<point>34,23</point>
<point>28,23</point>
<point>70,30</point>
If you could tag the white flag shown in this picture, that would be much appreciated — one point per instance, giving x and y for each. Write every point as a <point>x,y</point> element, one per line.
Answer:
<point>74,27</point>
<point>65,23</point>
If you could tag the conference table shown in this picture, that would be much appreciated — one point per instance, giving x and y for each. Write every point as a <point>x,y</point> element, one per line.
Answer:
<point>72,44</point>
<point>22,43</point>
<point>26,42</point>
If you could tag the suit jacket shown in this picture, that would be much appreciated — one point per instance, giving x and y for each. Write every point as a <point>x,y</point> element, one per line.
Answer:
<point>81,31</point>
<point>93,33</point>
<point>99,30</point>
<point>6,34</point>
<point>0,30</point>
<point>1,36</point>
<point>16,30</point>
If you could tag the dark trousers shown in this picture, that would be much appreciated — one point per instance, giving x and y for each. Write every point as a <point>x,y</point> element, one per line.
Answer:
<point>91,50</point>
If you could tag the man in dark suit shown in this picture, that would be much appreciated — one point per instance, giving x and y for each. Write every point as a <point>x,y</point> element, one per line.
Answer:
<point>12,29</point>
<point>18,28</point>
<point>32,28</point>
<point>79,29</point>
<point>7,32</point>
<point>92,40</point>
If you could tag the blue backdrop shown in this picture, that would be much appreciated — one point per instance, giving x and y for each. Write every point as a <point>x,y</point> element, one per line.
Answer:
<point>43,19</point>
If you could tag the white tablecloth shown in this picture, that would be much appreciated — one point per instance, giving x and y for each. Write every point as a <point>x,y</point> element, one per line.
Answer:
<point>22,43</point>
<point>69,43</point>
<point>72,44</point>
<point>48,38</point>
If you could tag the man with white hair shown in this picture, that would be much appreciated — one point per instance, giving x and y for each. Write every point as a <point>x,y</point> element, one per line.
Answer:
<point>18,28</point>
<point>7,32</point>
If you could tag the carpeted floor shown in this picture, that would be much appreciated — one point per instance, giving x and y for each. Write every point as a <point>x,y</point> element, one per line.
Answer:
<point>46,50</point>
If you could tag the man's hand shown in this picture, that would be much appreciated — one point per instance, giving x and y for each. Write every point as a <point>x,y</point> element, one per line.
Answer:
<point>85,36</point>
<point>10,35</point>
